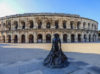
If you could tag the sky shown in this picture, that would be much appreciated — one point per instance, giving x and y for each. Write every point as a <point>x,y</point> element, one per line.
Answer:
<point>85,8</point>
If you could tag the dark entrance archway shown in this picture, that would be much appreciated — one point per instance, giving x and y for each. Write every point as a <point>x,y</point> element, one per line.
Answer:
<point>65,38</point>
<point>48,38</point>
<point>15,39</point>
<point>9,39</point>
<point>39,38</point>
<point>31,38</point>
<point>79,37</point>
<point>23,39</point>
<point>72,38</point>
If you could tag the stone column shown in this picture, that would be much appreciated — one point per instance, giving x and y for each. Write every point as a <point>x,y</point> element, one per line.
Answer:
<point>44,37</point>
<point>19,24</point>
<point>53,24</point>
<point>60,24</point>
<point>76,37</point>
<point>26,37</point>
<point>35,37</point>
<point>43,24</point>
<point>68,24</point>
<point>82,37</point>
<point>35,24</point>
<point>69,37</point>
<point>61,37</point>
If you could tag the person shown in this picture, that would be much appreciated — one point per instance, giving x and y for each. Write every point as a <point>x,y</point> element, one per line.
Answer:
<point>56,58</point>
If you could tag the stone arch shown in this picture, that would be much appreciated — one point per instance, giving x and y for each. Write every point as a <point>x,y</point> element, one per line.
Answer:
<point>23,24</point>
<point>72,38</point>
<point>84,25</point>
<point>9,38</point>
<point>48,25</point>
<point>79,37</point>
<point>31,24</point>
<point>15,24</point>
<point>15,39</point>
<point>23,38</point>
<point>57,34</point>
<point>78,24</point>
<point>39,38</point>
<point>65,38</point>
<point>56,24</point>
<point>39,24</point>
<point>64,24</point>
<point>48,38</point>
<point>72,24</point>
<point>31,38</point>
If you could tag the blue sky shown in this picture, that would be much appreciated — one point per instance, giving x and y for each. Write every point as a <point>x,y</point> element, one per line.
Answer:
<point>84,8</point>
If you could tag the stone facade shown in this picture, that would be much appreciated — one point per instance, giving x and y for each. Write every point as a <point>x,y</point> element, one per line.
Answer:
<point>40,28</point>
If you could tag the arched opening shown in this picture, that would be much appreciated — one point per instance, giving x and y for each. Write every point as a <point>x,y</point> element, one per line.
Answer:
<point>56,25</point>
<point>48,38</point>
<point>23,24</point>
<point>89,38</point>
<point>85,38</point>
<point>3,39</point>
<point>31,24</point>
<point>78,25</point>
<point>79,37</point>
<point>15,39</point>
<point>23,39</point>
<point>48,25</point>
<point>72,25</point>
<point>40,25</point>
<point>9,39</point>
<point>88,25</point>
<point>16,25</point>
<point>84,24</point>
<point>31,38</point>
<point>65,38</point>
<point>72,38</point>
<point>39,38</point>
<point>57,34</point>
<point>64,24</point>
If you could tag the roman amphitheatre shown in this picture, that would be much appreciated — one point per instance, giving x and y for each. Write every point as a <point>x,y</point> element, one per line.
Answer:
<point>40,28</point>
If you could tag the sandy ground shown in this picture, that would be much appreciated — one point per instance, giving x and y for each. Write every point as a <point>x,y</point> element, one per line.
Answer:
<point>11,56</point>
<point>67,47</point>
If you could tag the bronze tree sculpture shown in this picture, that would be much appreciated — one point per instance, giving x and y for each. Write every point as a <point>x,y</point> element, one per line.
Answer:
<point>56,58</point>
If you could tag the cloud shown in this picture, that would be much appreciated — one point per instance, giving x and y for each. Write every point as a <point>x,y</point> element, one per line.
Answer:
<point>6,9</point>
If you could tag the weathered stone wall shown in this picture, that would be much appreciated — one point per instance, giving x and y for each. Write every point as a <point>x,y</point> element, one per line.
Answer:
<point>19,29</point>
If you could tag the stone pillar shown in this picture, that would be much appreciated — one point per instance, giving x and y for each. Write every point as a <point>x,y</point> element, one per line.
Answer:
<point>35,24</point>
<point>82,37</point>
<point>69,37</point>
<point>19,38</point>
<point>43,24</point>
<point>35,37</point>
<point>26,37</point>
<point>44,37</point>
<point>76,37</point>
<point>19,24</point>
<point>87,38</point>
<point>60,24</point>
<point>68,24</point>
<point>53,24</point>
<point>61,37</point>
